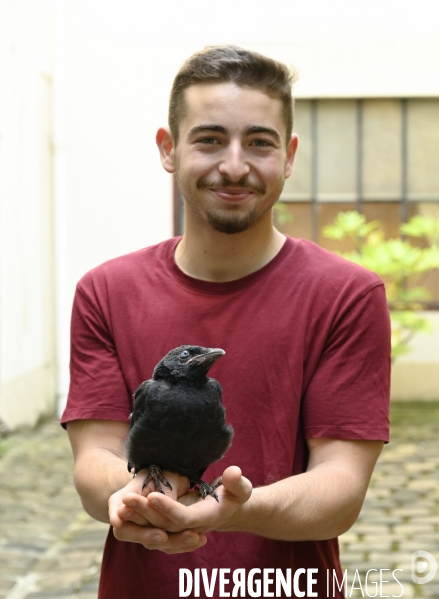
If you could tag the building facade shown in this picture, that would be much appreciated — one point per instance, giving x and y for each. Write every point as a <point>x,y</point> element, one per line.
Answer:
<point>84,86</point>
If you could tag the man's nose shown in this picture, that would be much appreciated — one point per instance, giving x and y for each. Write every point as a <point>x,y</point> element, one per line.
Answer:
<point>234,163</point>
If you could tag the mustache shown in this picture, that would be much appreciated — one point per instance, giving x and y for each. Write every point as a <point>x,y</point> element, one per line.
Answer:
<point>225,182</point>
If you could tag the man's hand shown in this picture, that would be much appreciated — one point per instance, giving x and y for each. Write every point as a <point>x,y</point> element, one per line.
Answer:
<point>192,512</point>
<point>120,503</point>
<point>160,522</point>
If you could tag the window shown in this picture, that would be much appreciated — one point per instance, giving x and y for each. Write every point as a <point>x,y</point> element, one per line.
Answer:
<point>377,156</point>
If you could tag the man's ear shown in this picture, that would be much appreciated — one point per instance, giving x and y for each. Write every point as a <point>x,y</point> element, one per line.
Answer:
<point>291,153</point>
<point>165,144</point>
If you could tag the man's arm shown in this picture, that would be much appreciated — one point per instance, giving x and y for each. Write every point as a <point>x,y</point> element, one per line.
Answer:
<point>319,504</point>
<point>100,463</point>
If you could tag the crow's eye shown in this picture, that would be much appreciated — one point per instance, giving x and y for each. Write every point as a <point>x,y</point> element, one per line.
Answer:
<point>184,354</point>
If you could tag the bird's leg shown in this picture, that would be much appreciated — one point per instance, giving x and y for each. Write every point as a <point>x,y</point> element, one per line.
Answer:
<point>205,489</point>
<point>155,474</point>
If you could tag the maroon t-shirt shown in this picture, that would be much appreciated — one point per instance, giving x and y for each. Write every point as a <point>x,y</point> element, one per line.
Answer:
<point>307,356</point>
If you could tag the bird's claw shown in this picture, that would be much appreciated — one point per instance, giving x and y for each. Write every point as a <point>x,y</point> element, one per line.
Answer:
<point>205,489</point>
<point>155,474</point>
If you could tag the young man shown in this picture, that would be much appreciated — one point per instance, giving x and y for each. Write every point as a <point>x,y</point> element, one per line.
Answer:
<point>306,371</point>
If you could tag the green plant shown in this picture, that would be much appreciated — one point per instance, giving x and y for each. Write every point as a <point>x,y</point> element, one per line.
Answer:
<point>394,260</point>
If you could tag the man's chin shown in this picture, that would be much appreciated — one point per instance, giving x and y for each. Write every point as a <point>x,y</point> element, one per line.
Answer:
<point>229,226</point>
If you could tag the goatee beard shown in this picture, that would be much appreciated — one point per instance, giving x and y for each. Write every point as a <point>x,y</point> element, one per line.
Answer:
<point>230,224</point>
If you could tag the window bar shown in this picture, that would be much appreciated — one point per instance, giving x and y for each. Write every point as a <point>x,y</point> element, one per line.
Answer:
<point>314,173</point>
<point>404,161</point>
<point>359,111</point>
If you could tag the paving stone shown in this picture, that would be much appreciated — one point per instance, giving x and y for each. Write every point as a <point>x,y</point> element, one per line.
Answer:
<point>420,468</point>
<point>412,530</point>
<point>349,537</point>
<point>383,520</point>
<point>423,484</point>
<point>351,562</point>
<point>431,590</point>
<point>413,512</point>
<point>408,496</point>
<point>427,542</point>
<point>395,590</point>
<point>383,559</point>
<point>5,585</point>
<point>50,595</point>
<point>378,544</point>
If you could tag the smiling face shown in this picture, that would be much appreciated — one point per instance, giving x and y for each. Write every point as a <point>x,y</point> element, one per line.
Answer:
<point>231,159</point>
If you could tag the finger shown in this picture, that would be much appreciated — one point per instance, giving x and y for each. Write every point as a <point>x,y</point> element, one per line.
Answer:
<point>188,547</point>
<point>114,503</point>
<point>145,511</point>
<point>178,516</point>
<point>127,514</point>
<point>190,498</point>
<point>157,539</point>
<point>118,509</point>
<point>115,500</point>
<point>236,484</point>
<point>132,533</point>
<point>183,542</point>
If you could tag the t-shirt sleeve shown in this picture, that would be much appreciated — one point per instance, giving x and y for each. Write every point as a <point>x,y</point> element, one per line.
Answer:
<point>97,387</point>
<point>348,394</point>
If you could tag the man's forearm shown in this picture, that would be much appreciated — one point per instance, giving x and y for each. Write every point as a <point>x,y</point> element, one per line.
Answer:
<point>315,505</point>
<point>100,463</point>
<point>96,478</point>
<point>319,504</point>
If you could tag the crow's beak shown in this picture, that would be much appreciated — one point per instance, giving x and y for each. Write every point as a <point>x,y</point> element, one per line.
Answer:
<point>209,357</point>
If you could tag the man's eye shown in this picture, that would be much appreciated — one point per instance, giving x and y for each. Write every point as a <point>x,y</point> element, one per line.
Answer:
<point>261,143</point>
<point>208,141</point>
<point>184,354</point>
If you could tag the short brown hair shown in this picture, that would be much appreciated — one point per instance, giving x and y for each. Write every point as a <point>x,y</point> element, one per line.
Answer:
<point>221,64</point>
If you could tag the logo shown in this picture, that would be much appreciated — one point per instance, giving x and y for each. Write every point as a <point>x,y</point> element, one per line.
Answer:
<point>424,567</point>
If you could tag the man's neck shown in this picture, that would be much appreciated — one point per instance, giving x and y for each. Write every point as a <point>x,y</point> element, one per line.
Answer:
<point>212,256</point>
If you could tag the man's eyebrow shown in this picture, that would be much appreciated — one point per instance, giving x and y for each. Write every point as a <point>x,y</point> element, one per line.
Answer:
<point>201,128</point>
<point>255,129</point>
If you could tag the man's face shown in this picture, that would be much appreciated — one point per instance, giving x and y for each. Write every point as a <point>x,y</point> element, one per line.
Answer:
<point>232,158</point>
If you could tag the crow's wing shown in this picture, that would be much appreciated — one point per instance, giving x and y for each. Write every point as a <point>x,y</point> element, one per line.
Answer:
<point>140,396</point>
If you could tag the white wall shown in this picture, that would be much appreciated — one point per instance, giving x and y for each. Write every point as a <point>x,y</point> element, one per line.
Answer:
<point>27,347</point>
<point>416,375</point>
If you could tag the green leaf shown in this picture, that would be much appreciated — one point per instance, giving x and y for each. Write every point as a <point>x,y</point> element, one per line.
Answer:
<point>422,226</point>
<point>394,260</point>
<point>430,257</point>
<point>350,224</point>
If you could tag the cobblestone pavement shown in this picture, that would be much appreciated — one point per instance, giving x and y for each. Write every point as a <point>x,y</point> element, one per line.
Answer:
<point>401,511</point>
<point>50,549</point>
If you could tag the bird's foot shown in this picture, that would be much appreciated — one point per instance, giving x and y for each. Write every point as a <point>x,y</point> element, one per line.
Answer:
<point>155,474</point>
<point>205,489</point>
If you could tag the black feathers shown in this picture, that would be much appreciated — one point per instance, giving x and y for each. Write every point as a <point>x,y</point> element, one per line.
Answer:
<point>178,420</point>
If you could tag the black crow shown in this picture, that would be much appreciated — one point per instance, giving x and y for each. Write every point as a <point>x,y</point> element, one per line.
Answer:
<point>178,420</point>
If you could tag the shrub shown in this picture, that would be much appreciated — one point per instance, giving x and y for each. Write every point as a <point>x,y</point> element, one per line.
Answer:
<point>394,260</point>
